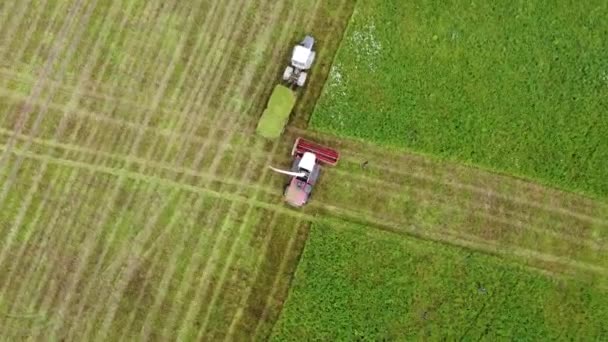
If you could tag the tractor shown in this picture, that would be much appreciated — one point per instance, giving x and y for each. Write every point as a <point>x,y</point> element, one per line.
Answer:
<point>305,170</point>
<point>301,60</point>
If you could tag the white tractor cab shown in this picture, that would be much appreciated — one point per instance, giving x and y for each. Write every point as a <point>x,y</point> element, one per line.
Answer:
<point>301,60</point>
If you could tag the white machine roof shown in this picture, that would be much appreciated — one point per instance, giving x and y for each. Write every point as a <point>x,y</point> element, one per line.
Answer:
<point>308,161</point>
<point>300,54</point>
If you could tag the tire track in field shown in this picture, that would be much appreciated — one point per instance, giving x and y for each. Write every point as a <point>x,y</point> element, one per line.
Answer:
<point>45,72</point>
<point>351,216</point>
<point>155,252</point>
<point>232,31</point>
<point>403,159</point>
<point>52,270</point>
<point>109,106</point>
<point>202,87</point>
<point>167,229</point>
<point>51,289</point>
<point>191,311</point>
<point>236,318</point>
<point>229,259</point>
<point>26,110</point>
<point>174,131</point>
<point>90,240</point>
<point>425,177</point>
<point>98,159</point>
<point>512,216</point>
<point>17,15</point>
<point>100,262</point>
<point>202,242</point>
<point>459,238</point>
<point>4,11</point>
<point>59,9</point>
<point>480,213</point>
<point>594,243</point>
<point>28,36</point>
<point>477,189</point>
<point>9,240</point>
<point>194,306</point>
<point>61,128</point>
<point>82,300</point>
<point>45,257</point>
<point>169,272</point>
<point>227,263</point>
<point>116,298</point>
<point>275,286</point>
<point>9,277</point>
<point>151,164</point>
<point>203,149</point>
<point>27,270</point>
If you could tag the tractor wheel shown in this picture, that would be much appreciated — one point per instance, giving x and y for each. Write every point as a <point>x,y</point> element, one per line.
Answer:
<point>302,79</point>
<point>287,73</point>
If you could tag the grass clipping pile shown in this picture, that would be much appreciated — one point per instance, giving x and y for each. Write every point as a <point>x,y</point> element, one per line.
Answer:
<point>277,112</point>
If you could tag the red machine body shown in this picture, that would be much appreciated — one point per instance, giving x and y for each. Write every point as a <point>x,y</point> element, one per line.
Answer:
<point>306,169</point>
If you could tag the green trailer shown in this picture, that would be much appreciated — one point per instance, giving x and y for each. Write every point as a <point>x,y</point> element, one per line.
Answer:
<point>275,116</point>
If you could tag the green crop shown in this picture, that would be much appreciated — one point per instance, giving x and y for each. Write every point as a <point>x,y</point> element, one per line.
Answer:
<point>518,87</point>
<point>355,283</point>
<point>277,112</point>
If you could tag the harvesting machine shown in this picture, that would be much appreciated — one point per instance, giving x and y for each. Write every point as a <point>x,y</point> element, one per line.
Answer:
<point>305,170</point>
<point>302,58</point>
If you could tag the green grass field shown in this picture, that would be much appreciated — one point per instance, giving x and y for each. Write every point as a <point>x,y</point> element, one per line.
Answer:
<point>356,283</point>
<point>518,87</point>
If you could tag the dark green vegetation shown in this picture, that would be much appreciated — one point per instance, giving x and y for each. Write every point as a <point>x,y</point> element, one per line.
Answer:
<point>275,116</point>
<point>357,283</point>
<point>520,87</point>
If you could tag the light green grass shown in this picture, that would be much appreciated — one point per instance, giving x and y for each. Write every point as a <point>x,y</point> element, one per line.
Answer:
<point>519,87</point>
<point>275,116</point>
<point>357,283</point>
<point>110,90</point>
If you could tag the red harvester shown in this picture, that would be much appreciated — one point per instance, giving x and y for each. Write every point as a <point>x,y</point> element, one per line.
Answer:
<point>305,169</point>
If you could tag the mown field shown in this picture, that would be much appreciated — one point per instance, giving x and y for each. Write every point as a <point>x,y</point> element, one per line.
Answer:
<point>356,283</point>
<point>130,177</point>
<point>518,87</point>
